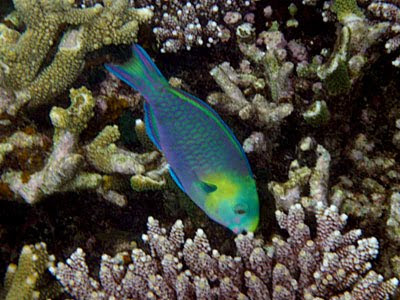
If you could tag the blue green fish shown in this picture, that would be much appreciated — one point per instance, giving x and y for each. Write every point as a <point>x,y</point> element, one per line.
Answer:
<point>205,159</point>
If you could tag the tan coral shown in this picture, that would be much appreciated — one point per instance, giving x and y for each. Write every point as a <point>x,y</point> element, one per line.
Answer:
<point>91,28</point>
<point>25,280</point>
<point>68,166</point>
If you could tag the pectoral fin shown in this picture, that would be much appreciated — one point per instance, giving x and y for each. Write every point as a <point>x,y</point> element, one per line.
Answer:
<point>207,187</point>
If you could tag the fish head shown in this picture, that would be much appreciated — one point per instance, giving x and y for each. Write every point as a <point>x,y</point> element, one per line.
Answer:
<point>240,214</point>
<point>234,203</point>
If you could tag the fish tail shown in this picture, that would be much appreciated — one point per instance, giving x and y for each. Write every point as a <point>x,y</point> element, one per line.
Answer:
<point>139,72</point>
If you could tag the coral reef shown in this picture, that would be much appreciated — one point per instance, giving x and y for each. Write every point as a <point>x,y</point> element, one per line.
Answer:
<point>234,101</point>
<point>106,157</point>
<point>289,193</point>
<point>24,78</point>
<point>261,90</point>
<point>309,89</point>
<point>333,265</point>
<point>370,195</point>
<point>352,52</point>
<point>65,167</point>
<point>389,11</point>
<point>27,280</point>
<point>364,196</point>
<point>184,24</point>
<point>378,176</point>
<point>20,140</point>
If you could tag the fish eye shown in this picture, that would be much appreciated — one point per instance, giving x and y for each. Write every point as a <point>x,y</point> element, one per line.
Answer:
<point>240,209</point>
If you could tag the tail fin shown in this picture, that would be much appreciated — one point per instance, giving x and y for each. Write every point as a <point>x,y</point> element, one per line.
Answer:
<point>139,72</point>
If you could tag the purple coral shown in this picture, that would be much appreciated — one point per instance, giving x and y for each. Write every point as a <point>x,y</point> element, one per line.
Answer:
<point>184,24</point>
<point>333,265</point>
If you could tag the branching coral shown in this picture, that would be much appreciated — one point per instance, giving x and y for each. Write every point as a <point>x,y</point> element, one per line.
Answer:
<point>66,170</point>
<point>389,11</point>
<point>370,195</point>
<point>377,182</point>
<point>27,280</point>
<point>290,192</point>
<point>234,101</point>
<point>105,156</point>
<point>367,192</point>
<point>333,265</point>
<point>261,89</point>
<point>20,140</point>
<point>63,164</point>
<point>185,24</point>
<point>352,52</point>
<point>26,78</point>
<point>276,78</point>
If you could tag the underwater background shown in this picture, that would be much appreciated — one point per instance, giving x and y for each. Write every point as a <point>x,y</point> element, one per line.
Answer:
<point>310,88</point>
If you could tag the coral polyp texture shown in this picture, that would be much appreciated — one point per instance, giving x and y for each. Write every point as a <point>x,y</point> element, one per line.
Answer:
<point>70,167</point>
<point>389,12</point>
<point>185,24</point>
<point>26,75</point>
<point>28,280</point>
<point>330,265</point>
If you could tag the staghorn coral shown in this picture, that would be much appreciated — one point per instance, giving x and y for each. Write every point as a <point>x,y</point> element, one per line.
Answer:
<point>153,179</point>
<point>367,191</point>
<point>106,157</point>
<point>66,170</point>
<point>375,197</point>
<point>63,164</point>
<point>351,53</point>
<point>390,12</point>
<point>333,265</point>
<point>289,193</point>
<point>339,67</point>
<point>261,89</point>
<point>20,140</point>
<point>234,101</point>
<point>24,78</point>
<point>27,280</point>
<point>370,195</point>
<point>393,222</point>
<point>184,24</point>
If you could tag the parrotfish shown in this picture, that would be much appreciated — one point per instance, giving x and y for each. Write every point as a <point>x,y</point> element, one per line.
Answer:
<point>205,159</point>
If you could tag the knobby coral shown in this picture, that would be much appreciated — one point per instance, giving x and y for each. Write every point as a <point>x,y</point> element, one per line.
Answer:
<point>25,75</point>
<point>184,24</point>
<point>389,12</point>
<point>27,280</point>
<point>330,265</point>
<point>67,169</point>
